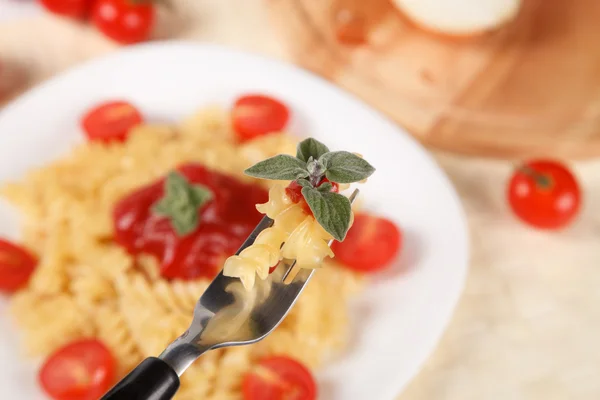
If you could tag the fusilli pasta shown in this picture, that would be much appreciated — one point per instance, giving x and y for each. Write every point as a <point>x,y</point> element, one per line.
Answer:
<point>294,235</point>
<point>87,286</point>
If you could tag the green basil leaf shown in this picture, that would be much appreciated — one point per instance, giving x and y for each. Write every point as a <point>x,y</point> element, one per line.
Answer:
<point>181,203</point>
<point>185,222</point>
<point>345,167</point>
<point>176,184</point>
<point>280,167</point>
<point>331,210</point>
<point>303,182</point>
<point>325,187</point>
<point>161,207</point>
<point>200,194</point>
<point>310,148</point>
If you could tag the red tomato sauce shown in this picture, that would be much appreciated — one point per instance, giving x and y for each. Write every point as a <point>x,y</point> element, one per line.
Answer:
<point>225,222</point>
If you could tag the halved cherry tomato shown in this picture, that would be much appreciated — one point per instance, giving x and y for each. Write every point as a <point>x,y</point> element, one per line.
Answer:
<point>544,194</point>
<point>111,121</point>
<point>68,8</point>
<point>82,370</point>
<point>279,378</point>
<point>370,245</point>
<point>255,115</point>
<point>125,21</point>
<point>294,191</point>
<point>225,222</point>
<point>16,266</point>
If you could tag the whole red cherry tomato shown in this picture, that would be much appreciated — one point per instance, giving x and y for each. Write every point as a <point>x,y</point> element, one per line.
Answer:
<point>68,8</point>
<point>225,222</point>
<point>544,194</point>
<point>125,21</point>
<point>81,370</point>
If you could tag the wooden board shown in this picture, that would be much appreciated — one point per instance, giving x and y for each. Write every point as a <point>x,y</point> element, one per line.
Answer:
<point>530,88</point>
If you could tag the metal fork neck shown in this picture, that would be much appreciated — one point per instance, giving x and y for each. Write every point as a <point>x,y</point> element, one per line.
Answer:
<point>180,355</point>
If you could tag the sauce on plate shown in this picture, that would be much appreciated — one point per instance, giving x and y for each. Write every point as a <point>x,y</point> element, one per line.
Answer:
<point>225,222</point>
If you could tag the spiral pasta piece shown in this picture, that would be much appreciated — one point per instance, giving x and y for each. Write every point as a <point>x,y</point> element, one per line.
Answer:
<point>295,235</point>
<point>278,202</point>
<point>114,332</point>
<point>89,289</point>
<point>49,322</point>
<point>308,244</point>
<point>236,362</point>
<point>265,252</point>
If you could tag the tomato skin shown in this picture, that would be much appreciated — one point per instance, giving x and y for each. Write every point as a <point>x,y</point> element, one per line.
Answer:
<point>273,268</point>
<point>110,121</point>
<point>294,192</point>
<point>124,21</point>
<point>225,222</point>
<point>544,194</point>
<point>68,8</point>
<point>370,245</point>
<point>81,370</point>
<point>254,115</point>
<point>279,378</point>
<point>16,266</point>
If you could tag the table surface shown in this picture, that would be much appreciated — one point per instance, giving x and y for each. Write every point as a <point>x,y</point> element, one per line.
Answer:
<point>528,323</point>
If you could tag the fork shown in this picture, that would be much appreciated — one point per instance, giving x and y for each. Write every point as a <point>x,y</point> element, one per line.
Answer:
<point>225,315</point>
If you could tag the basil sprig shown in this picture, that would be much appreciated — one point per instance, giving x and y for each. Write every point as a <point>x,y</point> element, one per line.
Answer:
<point>313,162</point>
<point>282,167</point>
<point>331,210</point>
<point>181,203</point>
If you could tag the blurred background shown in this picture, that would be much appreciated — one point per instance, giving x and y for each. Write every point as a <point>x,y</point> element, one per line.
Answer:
<point>488,87</point>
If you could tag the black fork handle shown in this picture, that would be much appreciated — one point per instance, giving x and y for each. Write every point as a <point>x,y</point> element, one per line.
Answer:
<point>153,379</point>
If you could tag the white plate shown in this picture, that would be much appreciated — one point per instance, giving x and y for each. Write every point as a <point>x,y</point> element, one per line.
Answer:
<point>400,317</point>
<point>17,9</point>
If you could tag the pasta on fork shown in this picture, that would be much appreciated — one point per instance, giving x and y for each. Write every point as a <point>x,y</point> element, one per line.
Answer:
<point>308,213</point>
